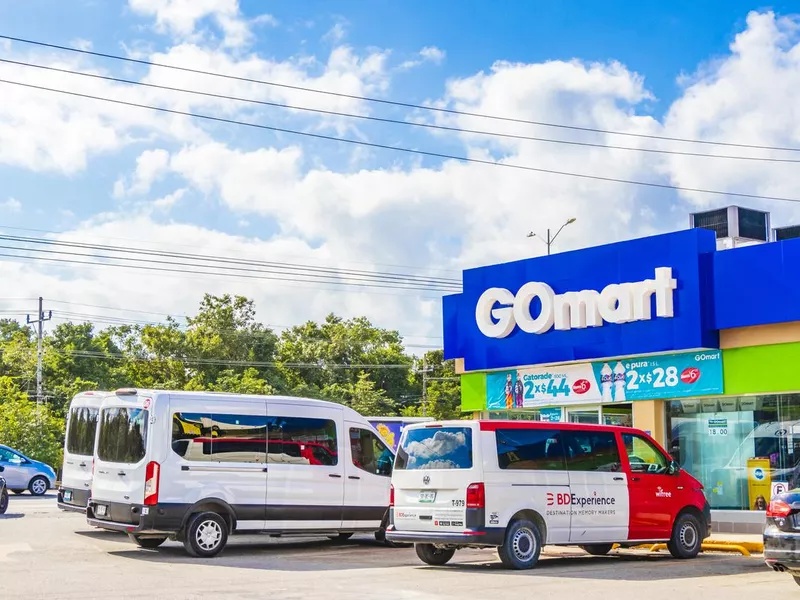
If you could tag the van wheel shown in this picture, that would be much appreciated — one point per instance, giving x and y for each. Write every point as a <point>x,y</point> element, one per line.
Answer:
<point>597,549</point>
<point>341,537</point>
<point>686,540</point>
<point>206,535</point>
<point>38,486</point>
<point>522,545</point>
<point>147,542</point>
<point>432,555</point>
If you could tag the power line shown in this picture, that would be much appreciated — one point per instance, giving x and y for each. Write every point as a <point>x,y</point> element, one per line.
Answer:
<point>391,102</point>
<point>118,238</point>
<point>395,121</point>
<point>291,267</point>
<point>237,363</point>
<point>441,155</point>
<point>147,264</point>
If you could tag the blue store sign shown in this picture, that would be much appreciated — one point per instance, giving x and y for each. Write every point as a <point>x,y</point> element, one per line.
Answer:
<point>638,297</point>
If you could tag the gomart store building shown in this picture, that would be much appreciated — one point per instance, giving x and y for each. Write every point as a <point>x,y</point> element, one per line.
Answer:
<point>699,347</point>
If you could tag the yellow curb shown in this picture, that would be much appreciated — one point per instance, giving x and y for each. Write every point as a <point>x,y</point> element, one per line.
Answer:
<point>744,548</point>
<point>757,547</point>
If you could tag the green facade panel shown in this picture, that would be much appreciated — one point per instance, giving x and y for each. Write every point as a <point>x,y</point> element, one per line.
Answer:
<point>761,369</point>
<point>473,392</point>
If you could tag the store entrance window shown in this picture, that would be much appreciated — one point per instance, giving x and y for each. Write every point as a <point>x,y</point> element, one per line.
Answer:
<point>741,448</point>
<point>618,414</point>
<point>584,416</point>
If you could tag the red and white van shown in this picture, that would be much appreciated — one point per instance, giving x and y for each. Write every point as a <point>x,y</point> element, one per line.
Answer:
<point>520,485</point>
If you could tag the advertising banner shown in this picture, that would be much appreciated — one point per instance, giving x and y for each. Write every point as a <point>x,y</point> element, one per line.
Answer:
<point>759,484</point>
<point>390,432</point>
<point>666,376</point>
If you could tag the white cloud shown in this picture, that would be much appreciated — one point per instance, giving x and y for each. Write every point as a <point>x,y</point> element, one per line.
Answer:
<point>81,44</point>
<point>433,54</point>
<point>430,54</point>
<point>12,205</point>
<point>167,202</point>
<point>181,17</point>
<point>337,33</point>
<point>151,165</point>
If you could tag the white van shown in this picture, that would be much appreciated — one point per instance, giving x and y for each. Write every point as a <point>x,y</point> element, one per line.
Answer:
<point>519,485</point>
<point>76,472</point>
<point>198,466</point>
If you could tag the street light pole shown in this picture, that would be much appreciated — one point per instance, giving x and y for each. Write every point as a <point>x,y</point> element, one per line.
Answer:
<point>549,240</point>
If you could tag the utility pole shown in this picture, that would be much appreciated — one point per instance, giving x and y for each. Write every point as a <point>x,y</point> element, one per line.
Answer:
<point>424,386</point>
<point>40,322</point>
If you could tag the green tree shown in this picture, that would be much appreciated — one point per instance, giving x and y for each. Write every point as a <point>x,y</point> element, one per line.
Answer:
<point>76,359</point>
<point>225,329</point>
<point>337,352</point>
<point>443,391</point>
<point>362,396</point>
<point>32,429</point>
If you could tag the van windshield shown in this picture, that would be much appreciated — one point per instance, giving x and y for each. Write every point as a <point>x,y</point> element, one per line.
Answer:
<point>82,427</point>
<point>123,435</point>
<point>435,448</point>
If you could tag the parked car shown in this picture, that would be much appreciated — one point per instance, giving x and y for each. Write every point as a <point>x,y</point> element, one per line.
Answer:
<point>22,473</point>
<point>518,485</point>
<point>200,466</point>
<point>3,494</point>
<point>782,534</point>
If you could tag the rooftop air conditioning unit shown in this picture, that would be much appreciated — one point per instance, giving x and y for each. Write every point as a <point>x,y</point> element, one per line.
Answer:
<point>735,226</point>
<point>786,233</point>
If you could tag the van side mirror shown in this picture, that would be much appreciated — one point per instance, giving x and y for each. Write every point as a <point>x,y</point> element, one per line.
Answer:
<point>674,467</point>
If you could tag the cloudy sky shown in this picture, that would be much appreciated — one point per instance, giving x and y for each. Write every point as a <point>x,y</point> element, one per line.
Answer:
<point>80,170</point>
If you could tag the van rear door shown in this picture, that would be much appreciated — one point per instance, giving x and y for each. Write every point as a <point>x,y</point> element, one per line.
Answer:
<point>121,456</point>
<point>434,467</point>
<point>76,475</point>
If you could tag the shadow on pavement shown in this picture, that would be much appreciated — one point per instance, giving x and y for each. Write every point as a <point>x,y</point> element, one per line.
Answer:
<point>283,555</point>
<point>9,516</point>
<point>626,566</point>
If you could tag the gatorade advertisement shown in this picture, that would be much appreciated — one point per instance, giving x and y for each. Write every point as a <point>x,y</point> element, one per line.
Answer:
<point>667,376</point>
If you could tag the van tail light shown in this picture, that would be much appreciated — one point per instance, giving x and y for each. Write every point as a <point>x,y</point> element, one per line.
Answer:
<point>391,496</point>
<point>476,496</point>
<point>152,472</point>
<point>778,508</point>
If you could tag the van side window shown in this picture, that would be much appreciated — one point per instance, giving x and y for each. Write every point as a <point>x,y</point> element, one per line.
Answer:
<point>304,441</point>
<point>591,451</point>
<point>239,438</point>
<point>220,437</point>
<point>369,452</point>
<point>534,449</point>
<point>643,456</point>
<point>191,436</point>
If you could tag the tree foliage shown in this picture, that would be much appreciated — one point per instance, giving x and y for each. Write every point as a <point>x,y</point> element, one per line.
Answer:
<point>223,347</point>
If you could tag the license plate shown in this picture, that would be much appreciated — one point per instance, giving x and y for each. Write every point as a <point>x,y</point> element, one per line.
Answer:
<point>427,496</point>
<point>68,496</point>
<point>100,511</point>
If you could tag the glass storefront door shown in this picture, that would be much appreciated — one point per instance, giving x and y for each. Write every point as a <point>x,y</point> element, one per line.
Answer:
<point>585,415</point>
<point>620,415</point>
<point>738,447</point>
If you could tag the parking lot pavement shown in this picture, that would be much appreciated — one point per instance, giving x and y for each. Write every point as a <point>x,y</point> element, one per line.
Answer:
<point>47,553</point>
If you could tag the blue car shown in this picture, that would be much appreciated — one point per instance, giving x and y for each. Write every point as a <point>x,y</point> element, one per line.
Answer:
<point>22,473</point>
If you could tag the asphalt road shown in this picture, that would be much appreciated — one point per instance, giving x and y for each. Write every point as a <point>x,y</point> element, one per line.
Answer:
<point>47,553</point>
